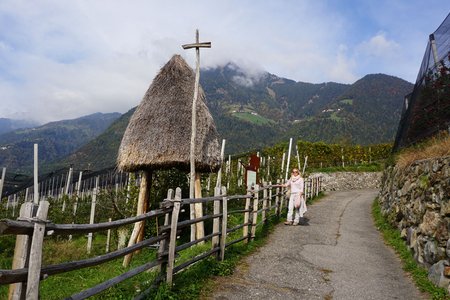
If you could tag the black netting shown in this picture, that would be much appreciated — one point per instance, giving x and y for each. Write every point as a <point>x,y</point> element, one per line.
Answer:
<point>426,111</point>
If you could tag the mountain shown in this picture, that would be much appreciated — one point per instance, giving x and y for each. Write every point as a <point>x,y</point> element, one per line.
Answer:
<point>251,111</point>
<point>256,111</point>
<point>55,140</point>
<point>7,125</point>
<point>100,152</point>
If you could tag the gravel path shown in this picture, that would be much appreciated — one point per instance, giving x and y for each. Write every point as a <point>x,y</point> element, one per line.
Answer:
<point>338,255</point>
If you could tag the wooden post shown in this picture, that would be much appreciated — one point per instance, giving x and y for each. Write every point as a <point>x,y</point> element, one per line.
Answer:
<point>198,207</point>
<point>163,245</point>
<point>16,290</point>
<point>277,199</point>
<point>223,236</point>
<point>283,198</point>
<point>91,219</point>
<point>270,194</point>
<point>219,173</point>
<point>288,159</point>
<point>216,224</point>
<point>282,163</point>
<point>34,269</point>
<point>173,236</point>
<point>255,211</point>
<point>264,204</point>
<point>139,226</point>
<point>36,186</point>
<point>197,45</point>
<point>2,181</point>
<point>108,237</point>
<point>69,179</point>
<point>246,216</point>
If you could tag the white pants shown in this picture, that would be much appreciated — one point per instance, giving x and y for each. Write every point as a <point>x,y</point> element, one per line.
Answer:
<point>298,211</point>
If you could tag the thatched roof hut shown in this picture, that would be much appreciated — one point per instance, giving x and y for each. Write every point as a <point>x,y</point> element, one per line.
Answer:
<point>158,134</point>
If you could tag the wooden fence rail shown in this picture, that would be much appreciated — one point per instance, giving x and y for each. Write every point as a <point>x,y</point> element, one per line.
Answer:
<point>259,204</point>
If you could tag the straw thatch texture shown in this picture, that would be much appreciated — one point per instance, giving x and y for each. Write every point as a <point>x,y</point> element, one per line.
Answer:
<point>159,132</point>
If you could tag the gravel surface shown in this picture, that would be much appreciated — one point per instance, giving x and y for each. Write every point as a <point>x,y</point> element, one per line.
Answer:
<point>338,255</point>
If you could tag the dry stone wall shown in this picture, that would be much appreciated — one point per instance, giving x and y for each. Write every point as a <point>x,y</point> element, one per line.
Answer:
<point>416,200</point>
<point>342,181</point>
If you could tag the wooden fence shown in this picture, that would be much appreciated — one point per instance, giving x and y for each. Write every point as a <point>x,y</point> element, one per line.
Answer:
<point>256,207</point>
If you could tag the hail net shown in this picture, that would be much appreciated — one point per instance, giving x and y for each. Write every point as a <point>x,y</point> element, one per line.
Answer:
<point>426,111</point>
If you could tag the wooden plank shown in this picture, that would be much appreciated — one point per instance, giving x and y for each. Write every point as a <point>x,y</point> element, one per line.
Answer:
<point>25,227</point>
<point>223,236</point>
<point>21,253</point>
<point>20,275</point>
<point>173,237</point>
<point>34,270</point>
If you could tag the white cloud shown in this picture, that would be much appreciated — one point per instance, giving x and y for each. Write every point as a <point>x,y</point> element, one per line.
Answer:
<point>379,46</point>
<point>65,59</point>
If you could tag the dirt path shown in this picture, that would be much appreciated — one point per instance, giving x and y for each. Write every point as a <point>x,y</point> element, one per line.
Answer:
<point>339,255</point>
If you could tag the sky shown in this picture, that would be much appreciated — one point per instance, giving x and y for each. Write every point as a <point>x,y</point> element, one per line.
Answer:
<point>65,59</point>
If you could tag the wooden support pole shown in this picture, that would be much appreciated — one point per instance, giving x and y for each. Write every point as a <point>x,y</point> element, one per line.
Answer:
<point>173,236</point>
<point>141,205</point>
<point>34,269</point>
<point>264,204</point>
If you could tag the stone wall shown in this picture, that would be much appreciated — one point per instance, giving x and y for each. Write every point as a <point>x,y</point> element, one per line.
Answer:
<point>416,200</point>
<point>341,181</point>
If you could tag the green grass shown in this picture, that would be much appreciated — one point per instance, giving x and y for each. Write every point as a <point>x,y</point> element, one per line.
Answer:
<point>335,117</point>
<point>347,101</point>
<point>255,119</point>
<point>392,237</point>
<point>190,283</point>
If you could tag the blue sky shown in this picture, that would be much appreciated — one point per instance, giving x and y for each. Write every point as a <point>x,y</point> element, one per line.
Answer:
<point>65,59</point>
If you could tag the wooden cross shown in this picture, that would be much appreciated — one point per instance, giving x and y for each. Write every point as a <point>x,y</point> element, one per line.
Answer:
<point>196,210</point>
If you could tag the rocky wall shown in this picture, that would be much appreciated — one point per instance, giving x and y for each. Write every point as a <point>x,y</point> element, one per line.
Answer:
<point>342,181</point>
<point>416,200</point>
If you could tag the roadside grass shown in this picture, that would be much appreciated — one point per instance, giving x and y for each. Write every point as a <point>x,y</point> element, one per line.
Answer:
<point>392,237</point>
<point>437,146</point>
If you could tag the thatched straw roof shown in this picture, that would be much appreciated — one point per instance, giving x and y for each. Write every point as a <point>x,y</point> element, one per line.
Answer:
<point>159,132</point>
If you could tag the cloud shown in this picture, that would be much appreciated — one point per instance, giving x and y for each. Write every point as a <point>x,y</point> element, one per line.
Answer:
<point>379,46</point>
<point>63,59</point>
